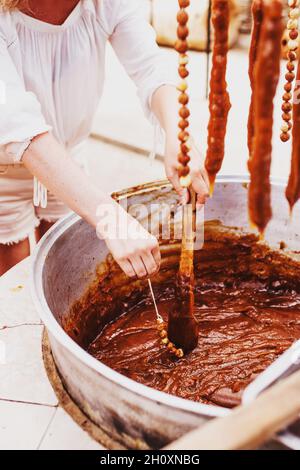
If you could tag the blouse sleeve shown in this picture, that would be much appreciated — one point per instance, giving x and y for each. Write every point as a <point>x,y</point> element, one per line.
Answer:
<point>134,42</point>
<point>21,118</point>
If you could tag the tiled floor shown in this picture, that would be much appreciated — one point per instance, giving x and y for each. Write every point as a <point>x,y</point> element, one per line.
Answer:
<point>22,425</point>
<point>29,415</point>
<point>62,433</point>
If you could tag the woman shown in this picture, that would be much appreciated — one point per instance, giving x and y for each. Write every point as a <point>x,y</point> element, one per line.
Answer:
<point>51,78</point>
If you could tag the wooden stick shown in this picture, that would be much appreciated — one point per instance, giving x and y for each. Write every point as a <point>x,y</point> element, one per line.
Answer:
<point>186,266</point>
<point>182,326</point>
<point>247,427</point>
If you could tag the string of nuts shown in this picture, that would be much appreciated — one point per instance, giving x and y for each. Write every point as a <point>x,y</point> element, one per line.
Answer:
<point>181,47</point>
<point>162,329</point>
<point>292,26</point>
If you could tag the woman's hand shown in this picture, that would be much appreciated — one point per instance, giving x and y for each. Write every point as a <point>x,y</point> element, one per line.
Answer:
<point>199,176</point>
<point>165,106</point>
<point>134,249</point>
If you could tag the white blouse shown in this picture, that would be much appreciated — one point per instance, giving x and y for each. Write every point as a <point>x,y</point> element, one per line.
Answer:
<point>51,77</point>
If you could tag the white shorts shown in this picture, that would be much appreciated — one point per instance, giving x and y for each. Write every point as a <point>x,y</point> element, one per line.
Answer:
<point>18,216</point>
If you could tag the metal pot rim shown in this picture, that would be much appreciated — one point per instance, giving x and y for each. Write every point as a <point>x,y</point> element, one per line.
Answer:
<point>38,257</point>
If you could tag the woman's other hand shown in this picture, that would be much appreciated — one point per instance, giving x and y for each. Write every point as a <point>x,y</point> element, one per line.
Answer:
<point>198,173</point>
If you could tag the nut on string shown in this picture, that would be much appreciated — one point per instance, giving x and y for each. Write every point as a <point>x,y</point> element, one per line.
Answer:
<point>162,330</point>
<point>185,181</point>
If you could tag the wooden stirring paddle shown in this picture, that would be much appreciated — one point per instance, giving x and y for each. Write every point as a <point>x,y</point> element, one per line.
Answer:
<point>183,328</point>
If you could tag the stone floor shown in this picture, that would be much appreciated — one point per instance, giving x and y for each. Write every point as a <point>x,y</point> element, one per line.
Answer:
<point>30,417</point>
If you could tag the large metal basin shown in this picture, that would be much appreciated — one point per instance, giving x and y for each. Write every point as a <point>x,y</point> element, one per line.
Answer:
<point>64,265</point>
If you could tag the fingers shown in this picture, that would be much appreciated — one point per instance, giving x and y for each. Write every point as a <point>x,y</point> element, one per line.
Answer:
<point>200,186</point>
<point>138,253</point>
<point>205,177</point>
<point>150,264</point>
<point>145,264</point>
<point>126,266</point>
<point>173,177</point>
<point>199,177</point>
<point>138,266</point>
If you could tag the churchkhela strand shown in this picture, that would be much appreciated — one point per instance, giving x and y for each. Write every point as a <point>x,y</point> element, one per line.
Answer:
<point>257,16</point>
<point>292,27</point>
<point>265,75</point>
<point>219,102</point>
<point>293,187</point>
<point>182,326</point>
<point>181,47</point>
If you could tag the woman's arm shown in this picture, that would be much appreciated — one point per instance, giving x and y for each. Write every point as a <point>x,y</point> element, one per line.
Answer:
<point>20,112</point>
<point>165,106</point>
<point>135,250</point>
<point>134,42</point>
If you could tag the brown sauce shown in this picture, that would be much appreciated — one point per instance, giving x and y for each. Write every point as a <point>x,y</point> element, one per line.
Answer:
<point>247,305</point>
<point>243,328</point>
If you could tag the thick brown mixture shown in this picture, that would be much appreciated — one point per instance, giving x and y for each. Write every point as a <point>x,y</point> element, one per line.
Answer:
<point>244,327</point>
<point>247,303</point>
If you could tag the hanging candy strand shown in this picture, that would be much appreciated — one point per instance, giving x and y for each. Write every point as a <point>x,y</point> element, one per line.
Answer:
<point>219,102</point>
<point>257,18</point>
<point>292,27</point>
<point>293,187</point>
<point>208,45</point>
<point>181,47</point>
<point>266,75</point>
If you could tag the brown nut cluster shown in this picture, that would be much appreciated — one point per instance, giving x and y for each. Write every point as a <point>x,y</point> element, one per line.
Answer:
<point>292,26</point>
<point>162,329</point>
<point>181,47</point>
